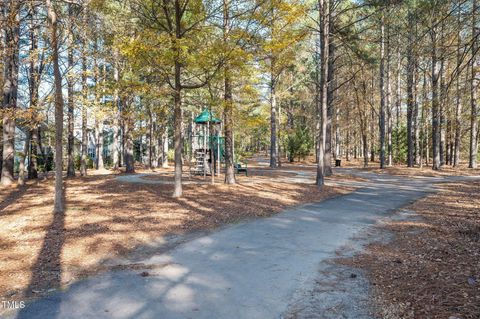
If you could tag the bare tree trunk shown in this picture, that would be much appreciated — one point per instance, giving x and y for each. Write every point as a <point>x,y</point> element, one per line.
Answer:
<point>347,137</point>
<point>410,88</point>
<point>372,121</point>
<point>435,101</point>
<point>83,155</point>
<point>70,102</point>
<point>474,81</point>
<point>150,139</point>
<point>322,87</point>
<point>23,156</point>
<point>129,160</point>
<point>164,147</point>
<point>382,92</point>
<point>389,101</point>
<point>443,96</point>
<point>98,114</point>
<point>330,99</point>
<point>416,120</point>
<point>398,101</point>
<point>10,89</point>
<point>34,81</point>
<point>424,130</point>
<point>116,115</point>
<point>458,100</point>
<point>273,119</point>
<point>178,140</point>
<point>228,99</point>
<point>59,203</point>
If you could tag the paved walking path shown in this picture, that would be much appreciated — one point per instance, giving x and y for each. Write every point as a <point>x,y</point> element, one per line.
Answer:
<point>248,270</point>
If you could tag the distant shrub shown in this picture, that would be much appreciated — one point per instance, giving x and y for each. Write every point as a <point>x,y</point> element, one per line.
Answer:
<point>299,143</point>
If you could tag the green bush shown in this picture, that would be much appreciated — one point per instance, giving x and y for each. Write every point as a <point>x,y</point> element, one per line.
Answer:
<point>171,154</point>
<point>299,143</point>
<point>400,150</point>
<point>77,162</point>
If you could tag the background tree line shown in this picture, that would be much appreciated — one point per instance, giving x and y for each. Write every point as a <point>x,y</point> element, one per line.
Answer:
<point>393,81</point>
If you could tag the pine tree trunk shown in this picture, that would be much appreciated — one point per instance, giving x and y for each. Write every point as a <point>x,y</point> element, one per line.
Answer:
<point>70,102</point>
<point>116,116</point>
<point>23,156</point>
<point>83,155</point>
<point>10,89</point>
<point>388,101</point>
<point>474,81</point>
<point>228,108</point>
<point>322,87</point>
<point>458,101</point>
<point>435,102</point>
<point>330,101</point>
<point>34,81</point>
<point>129,160</point>
<point>164,147</point>
<point>178,144</point>
<point>59,202</point>
<point>273,119</point>
<point>382,92</point>
<point>150,139</point>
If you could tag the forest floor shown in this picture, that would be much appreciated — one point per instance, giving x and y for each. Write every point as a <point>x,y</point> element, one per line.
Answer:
<point>431,267</point>
<point>107,218</point>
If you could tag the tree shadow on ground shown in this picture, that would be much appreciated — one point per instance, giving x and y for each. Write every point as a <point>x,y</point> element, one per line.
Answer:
<point>46,273</point>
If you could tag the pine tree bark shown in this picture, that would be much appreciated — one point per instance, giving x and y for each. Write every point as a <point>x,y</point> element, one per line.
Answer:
<point>435,100</point>
<point>129,159</point>
<point>84,148</point>
<point>70,102</point>
<point>474,85</point>
<point>59,202</point>
<point>23,156</point>
<point>330,97</point>
<point>10,89</point>
<point>322,87</point>
<point>382,92</point>
<point>116,115</point>
<point>273,117</point>
<point>33,84</point>
<point>228,100</point>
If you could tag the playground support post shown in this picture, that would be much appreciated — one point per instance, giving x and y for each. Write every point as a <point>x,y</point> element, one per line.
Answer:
<point>218,154</point>
<point>204,152</point>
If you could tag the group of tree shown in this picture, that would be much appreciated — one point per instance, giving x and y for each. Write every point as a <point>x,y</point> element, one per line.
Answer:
<point>393,81</point>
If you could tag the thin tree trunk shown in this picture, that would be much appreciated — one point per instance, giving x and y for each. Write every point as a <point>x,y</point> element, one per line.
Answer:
<point>474,81</point>
<point>164,147</point>
<point>410,89</point>
<point>322,87</point>
<point>389,101</point>
<point>23,156</point>
<point>34,81</point>
<point>10,89</point>
<point>330,100</point>
<point>382,92</point>
<point>70,102</point>
<point>416,120</point>
<point>83,155</point>
<point>129,159</point>
<point>150,139</point>
<point>178,140</point>
<point>116,116</point>
<point>273,119</point>
<point>398,102</point>
<point>435,101</point>
<point>59,202</point>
